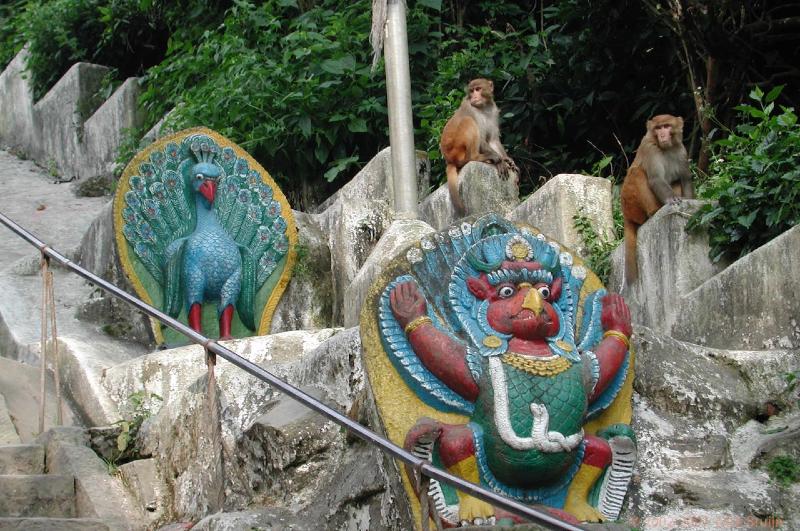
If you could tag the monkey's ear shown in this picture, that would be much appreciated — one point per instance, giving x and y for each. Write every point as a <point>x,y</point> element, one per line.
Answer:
<point>649,125</point>
<point>679,121</point>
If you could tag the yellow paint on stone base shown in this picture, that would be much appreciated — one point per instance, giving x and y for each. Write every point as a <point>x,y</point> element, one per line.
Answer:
<point>400,409</point>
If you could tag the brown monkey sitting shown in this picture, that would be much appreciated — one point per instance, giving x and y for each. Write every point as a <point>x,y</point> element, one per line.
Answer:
<point>473,133</point>
<point>659,175</point>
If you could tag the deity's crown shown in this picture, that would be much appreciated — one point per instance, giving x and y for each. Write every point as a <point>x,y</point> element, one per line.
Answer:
<point>522,258</point>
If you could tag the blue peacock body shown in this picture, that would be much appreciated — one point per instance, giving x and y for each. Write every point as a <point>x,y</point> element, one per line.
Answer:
<point>205,225</point>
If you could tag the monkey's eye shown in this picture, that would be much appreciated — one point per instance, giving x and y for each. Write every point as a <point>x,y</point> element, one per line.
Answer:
<point>544,291</point>
<point>506,291</point>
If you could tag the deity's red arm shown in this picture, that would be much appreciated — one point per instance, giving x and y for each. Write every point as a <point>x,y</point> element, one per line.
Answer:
<point>445,358</point>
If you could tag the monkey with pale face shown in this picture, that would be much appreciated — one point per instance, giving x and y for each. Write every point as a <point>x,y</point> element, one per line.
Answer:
<point>473,133</point>
<point>659,175</point>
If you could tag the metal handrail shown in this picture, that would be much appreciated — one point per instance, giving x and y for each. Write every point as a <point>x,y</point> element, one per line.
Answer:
<point>422,465</point>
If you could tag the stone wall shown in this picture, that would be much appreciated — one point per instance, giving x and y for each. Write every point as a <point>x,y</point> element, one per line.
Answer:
<point>71,130</point>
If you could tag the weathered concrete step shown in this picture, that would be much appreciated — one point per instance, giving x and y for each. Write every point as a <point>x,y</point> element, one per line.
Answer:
<point>51,524</point>
<point>48,495</point>
<point>8,432</point>
<point>21,459</point>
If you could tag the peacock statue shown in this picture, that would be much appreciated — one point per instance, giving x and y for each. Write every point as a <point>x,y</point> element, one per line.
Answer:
<point>199,223</point>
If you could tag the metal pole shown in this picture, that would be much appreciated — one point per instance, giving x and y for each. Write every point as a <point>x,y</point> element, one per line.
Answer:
<point>401,126</point>
<point>535,515</point>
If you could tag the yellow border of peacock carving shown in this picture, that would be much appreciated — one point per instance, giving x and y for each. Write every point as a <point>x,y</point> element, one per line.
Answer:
<point>122,245</point>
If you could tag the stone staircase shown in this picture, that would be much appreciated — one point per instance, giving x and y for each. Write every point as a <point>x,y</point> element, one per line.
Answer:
<point>53,480</point>
<point>31,496</point>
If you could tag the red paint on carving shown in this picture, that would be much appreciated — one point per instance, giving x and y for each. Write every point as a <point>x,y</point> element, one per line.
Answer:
<point>194,318</point>
<point>455,444</point>
<point>597,453</point>
<point>225,323</point>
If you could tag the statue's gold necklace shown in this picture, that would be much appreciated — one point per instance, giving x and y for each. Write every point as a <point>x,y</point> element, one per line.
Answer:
<point>549,366</point>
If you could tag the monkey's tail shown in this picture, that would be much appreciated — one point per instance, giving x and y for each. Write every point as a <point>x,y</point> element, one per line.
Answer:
<point>631,266</point>
<point>452,186</point>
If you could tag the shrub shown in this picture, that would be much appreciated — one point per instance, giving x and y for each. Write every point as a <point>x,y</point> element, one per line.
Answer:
<point>10,38</point>
<point>784,470</point>
<point>293,88</point>
<point>756,173</point>
<point>128,36</point>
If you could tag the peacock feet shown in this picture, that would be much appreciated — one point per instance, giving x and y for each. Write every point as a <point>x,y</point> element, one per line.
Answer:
<point>195,317</point>
<point>225,320</point>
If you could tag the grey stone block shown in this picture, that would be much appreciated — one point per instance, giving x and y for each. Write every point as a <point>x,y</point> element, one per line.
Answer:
<point>143,481</point>
<point>61,114</point>
<point>38,495</point>
<point>22,459</point>
<point>375,182</point>
<point>552,208</point>
<point>16,101</point>
<point>307,302</point>
<point>671,264</point>
<point>97,494</point>
<point>52,524</point>
<point>753,304</point>
<point>683,379</point>
<point>107,128</point>
<point>8,432</point>
<point>268,518</point>
<point>355,228</point>
<point>482,190</point>
<point>20,383</point>
<point>400,235</point>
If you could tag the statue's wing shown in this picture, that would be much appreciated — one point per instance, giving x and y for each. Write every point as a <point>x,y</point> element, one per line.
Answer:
<point>158,207</point>
<point>247,208</point>
<point>424,383</point>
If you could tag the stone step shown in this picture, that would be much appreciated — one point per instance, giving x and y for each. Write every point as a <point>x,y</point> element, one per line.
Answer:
<point>47,495</point>
<point>21,459</point>
<point>50,524</point>
<point>21,385</point>
<point>8,432</point>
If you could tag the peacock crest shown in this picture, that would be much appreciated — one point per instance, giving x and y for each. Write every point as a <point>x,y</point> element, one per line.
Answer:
<point>156,212</point>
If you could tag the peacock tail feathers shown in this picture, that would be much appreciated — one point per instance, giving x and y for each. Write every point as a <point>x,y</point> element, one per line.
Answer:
<point>157,209</point>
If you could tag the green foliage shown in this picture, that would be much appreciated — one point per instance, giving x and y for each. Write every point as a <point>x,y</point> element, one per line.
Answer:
<point>140,409</point>
<point>598,248</point>
<point>755,177</point>
<point>508,46</point>
<point>10,38</point>
<point>302,267</point>
<point>784,470</point>
<point>130,145</point>
<point>60,33</point>
<point>293,88</point>
<point>128,36</point>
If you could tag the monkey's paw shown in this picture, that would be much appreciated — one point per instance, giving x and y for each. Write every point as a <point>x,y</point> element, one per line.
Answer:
<point>512,165</point>
<point>675,200</point>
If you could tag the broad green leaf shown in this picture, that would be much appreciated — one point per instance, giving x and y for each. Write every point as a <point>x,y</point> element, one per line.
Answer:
<point>357,125</point>
<point>305,126</point>
<point>433,4</point>
<point>747,220</point>
<point>774,93</point>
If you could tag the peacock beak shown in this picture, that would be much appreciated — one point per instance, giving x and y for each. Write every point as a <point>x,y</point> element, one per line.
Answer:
<point>208,189</point>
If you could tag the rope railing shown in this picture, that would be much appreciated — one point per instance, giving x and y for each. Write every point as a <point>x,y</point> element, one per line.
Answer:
<point>420,465</point>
